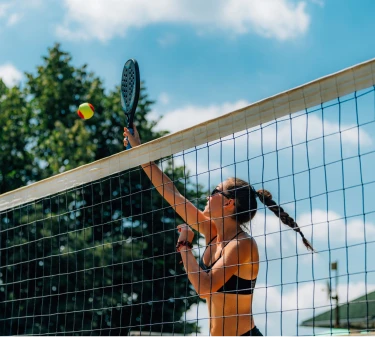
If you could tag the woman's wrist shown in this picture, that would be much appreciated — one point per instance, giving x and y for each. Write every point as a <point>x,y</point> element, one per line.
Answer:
<point>146,165</point>
<point>183,246</point>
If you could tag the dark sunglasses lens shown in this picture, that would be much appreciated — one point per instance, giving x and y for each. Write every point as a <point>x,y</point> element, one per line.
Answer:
<point>215,191</point>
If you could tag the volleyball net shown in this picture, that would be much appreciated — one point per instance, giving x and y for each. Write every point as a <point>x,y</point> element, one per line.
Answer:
<point>92,251</point>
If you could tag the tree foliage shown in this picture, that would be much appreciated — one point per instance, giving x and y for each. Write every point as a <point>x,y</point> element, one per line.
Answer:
<point>98,259</point>
<point>15,159</point>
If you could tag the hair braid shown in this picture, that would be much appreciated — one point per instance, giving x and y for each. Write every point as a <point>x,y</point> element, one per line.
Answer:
<point>266,198</point>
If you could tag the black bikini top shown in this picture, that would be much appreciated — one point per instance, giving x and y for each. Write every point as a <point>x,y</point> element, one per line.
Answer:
<point>235,284</point>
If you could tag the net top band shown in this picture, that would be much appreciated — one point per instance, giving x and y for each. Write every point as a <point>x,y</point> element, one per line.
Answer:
<point>322,90</point>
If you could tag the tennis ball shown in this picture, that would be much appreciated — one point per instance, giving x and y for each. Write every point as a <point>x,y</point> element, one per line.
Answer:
<point>85,110</point>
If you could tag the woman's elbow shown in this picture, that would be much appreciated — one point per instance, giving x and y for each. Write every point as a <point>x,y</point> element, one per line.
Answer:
<point>205,292</point>
<point>204,296</point>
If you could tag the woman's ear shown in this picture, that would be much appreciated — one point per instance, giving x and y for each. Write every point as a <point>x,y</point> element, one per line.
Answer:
<point>230,202</point>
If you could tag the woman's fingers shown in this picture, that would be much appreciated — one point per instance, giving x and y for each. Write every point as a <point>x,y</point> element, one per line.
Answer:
<point>128,137</point>
<point>126,142</point>
<point>134,140</point>
<point>128,134</point>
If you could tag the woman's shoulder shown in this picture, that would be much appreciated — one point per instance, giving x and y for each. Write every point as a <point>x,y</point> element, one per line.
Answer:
<point>249,245</point>
<point>248,239</point>
<point>244,243</point>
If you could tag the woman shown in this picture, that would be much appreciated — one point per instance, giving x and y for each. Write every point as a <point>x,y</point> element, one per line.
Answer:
<point>226,274</point>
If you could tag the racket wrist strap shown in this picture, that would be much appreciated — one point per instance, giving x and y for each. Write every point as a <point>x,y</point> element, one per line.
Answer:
<point>183,244</point>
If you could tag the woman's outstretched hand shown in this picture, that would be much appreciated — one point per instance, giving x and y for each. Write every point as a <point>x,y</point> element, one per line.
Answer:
<point>128,137</point>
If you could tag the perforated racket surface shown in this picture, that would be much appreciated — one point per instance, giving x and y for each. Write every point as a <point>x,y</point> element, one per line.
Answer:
<point>130,87</point>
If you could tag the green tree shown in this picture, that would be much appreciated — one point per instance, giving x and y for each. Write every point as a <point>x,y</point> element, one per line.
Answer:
<point>15,160</point>
<point>99,259</point>
<point>56,91</point>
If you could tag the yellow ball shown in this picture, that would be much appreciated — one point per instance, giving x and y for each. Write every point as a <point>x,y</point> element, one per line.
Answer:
<point>85,110</point>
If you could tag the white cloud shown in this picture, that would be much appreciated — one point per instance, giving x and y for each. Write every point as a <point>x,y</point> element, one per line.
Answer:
<point>199,312</point>
<point>279,19</point>
<point>4,8</point>
<point>164,98</point>
<point>308,296</point>
<point>266,229</point>
<point>326,230</point>
<point>191,115</point>
<point>303,128</point>
<point>320,3</point>
<point>331,226</point>
<point>35,3</point>
<point>309,127</point>
<point>272,18</point>
<point>14,10</point>
<point>167,40</point>
<point>14,18</point>
<point>10,74</point>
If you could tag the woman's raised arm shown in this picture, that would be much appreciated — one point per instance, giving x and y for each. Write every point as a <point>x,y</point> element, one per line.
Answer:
<point>165,186</point>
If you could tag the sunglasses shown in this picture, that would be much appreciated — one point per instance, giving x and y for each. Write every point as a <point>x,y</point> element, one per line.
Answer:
<point>216,191</point>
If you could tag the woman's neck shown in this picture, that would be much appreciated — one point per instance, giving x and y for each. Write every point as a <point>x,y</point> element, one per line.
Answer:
<point>226,229</point>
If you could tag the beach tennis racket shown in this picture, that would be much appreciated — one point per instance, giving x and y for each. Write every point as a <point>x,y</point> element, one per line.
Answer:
<point>130,87</point>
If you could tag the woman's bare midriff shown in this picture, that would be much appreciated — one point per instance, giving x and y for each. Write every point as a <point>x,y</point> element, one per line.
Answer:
<point>230,314</point>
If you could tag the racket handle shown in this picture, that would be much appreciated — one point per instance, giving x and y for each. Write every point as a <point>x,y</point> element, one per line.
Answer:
<point>132,132</point>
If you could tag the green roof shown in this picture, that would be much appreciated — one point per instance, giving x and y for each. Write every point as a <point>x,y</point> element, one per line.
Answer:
<point>357,314</point>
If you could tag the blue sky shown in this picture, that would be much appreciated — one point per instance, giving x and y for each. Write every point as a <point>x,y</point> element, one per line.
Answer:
<point>189,54</point>
<point>203,59</point>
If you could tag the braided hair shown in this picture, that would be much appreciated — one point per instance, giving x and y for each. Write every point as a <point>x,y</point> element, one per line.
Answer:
<point>266,198</point>
<point>246,205</point>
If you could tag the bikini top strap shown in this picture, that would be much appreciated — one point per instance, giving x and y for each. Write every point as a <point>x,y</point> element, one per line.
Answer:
<point>208,245</point>
<point>231,240</point>
<point>238,233</point>
<point>201,260</point>
<point>212,240</point>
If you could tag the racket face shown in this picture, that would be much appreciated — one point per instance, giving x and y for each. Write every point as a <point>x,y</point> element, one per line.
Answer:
<point>130,86</point>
